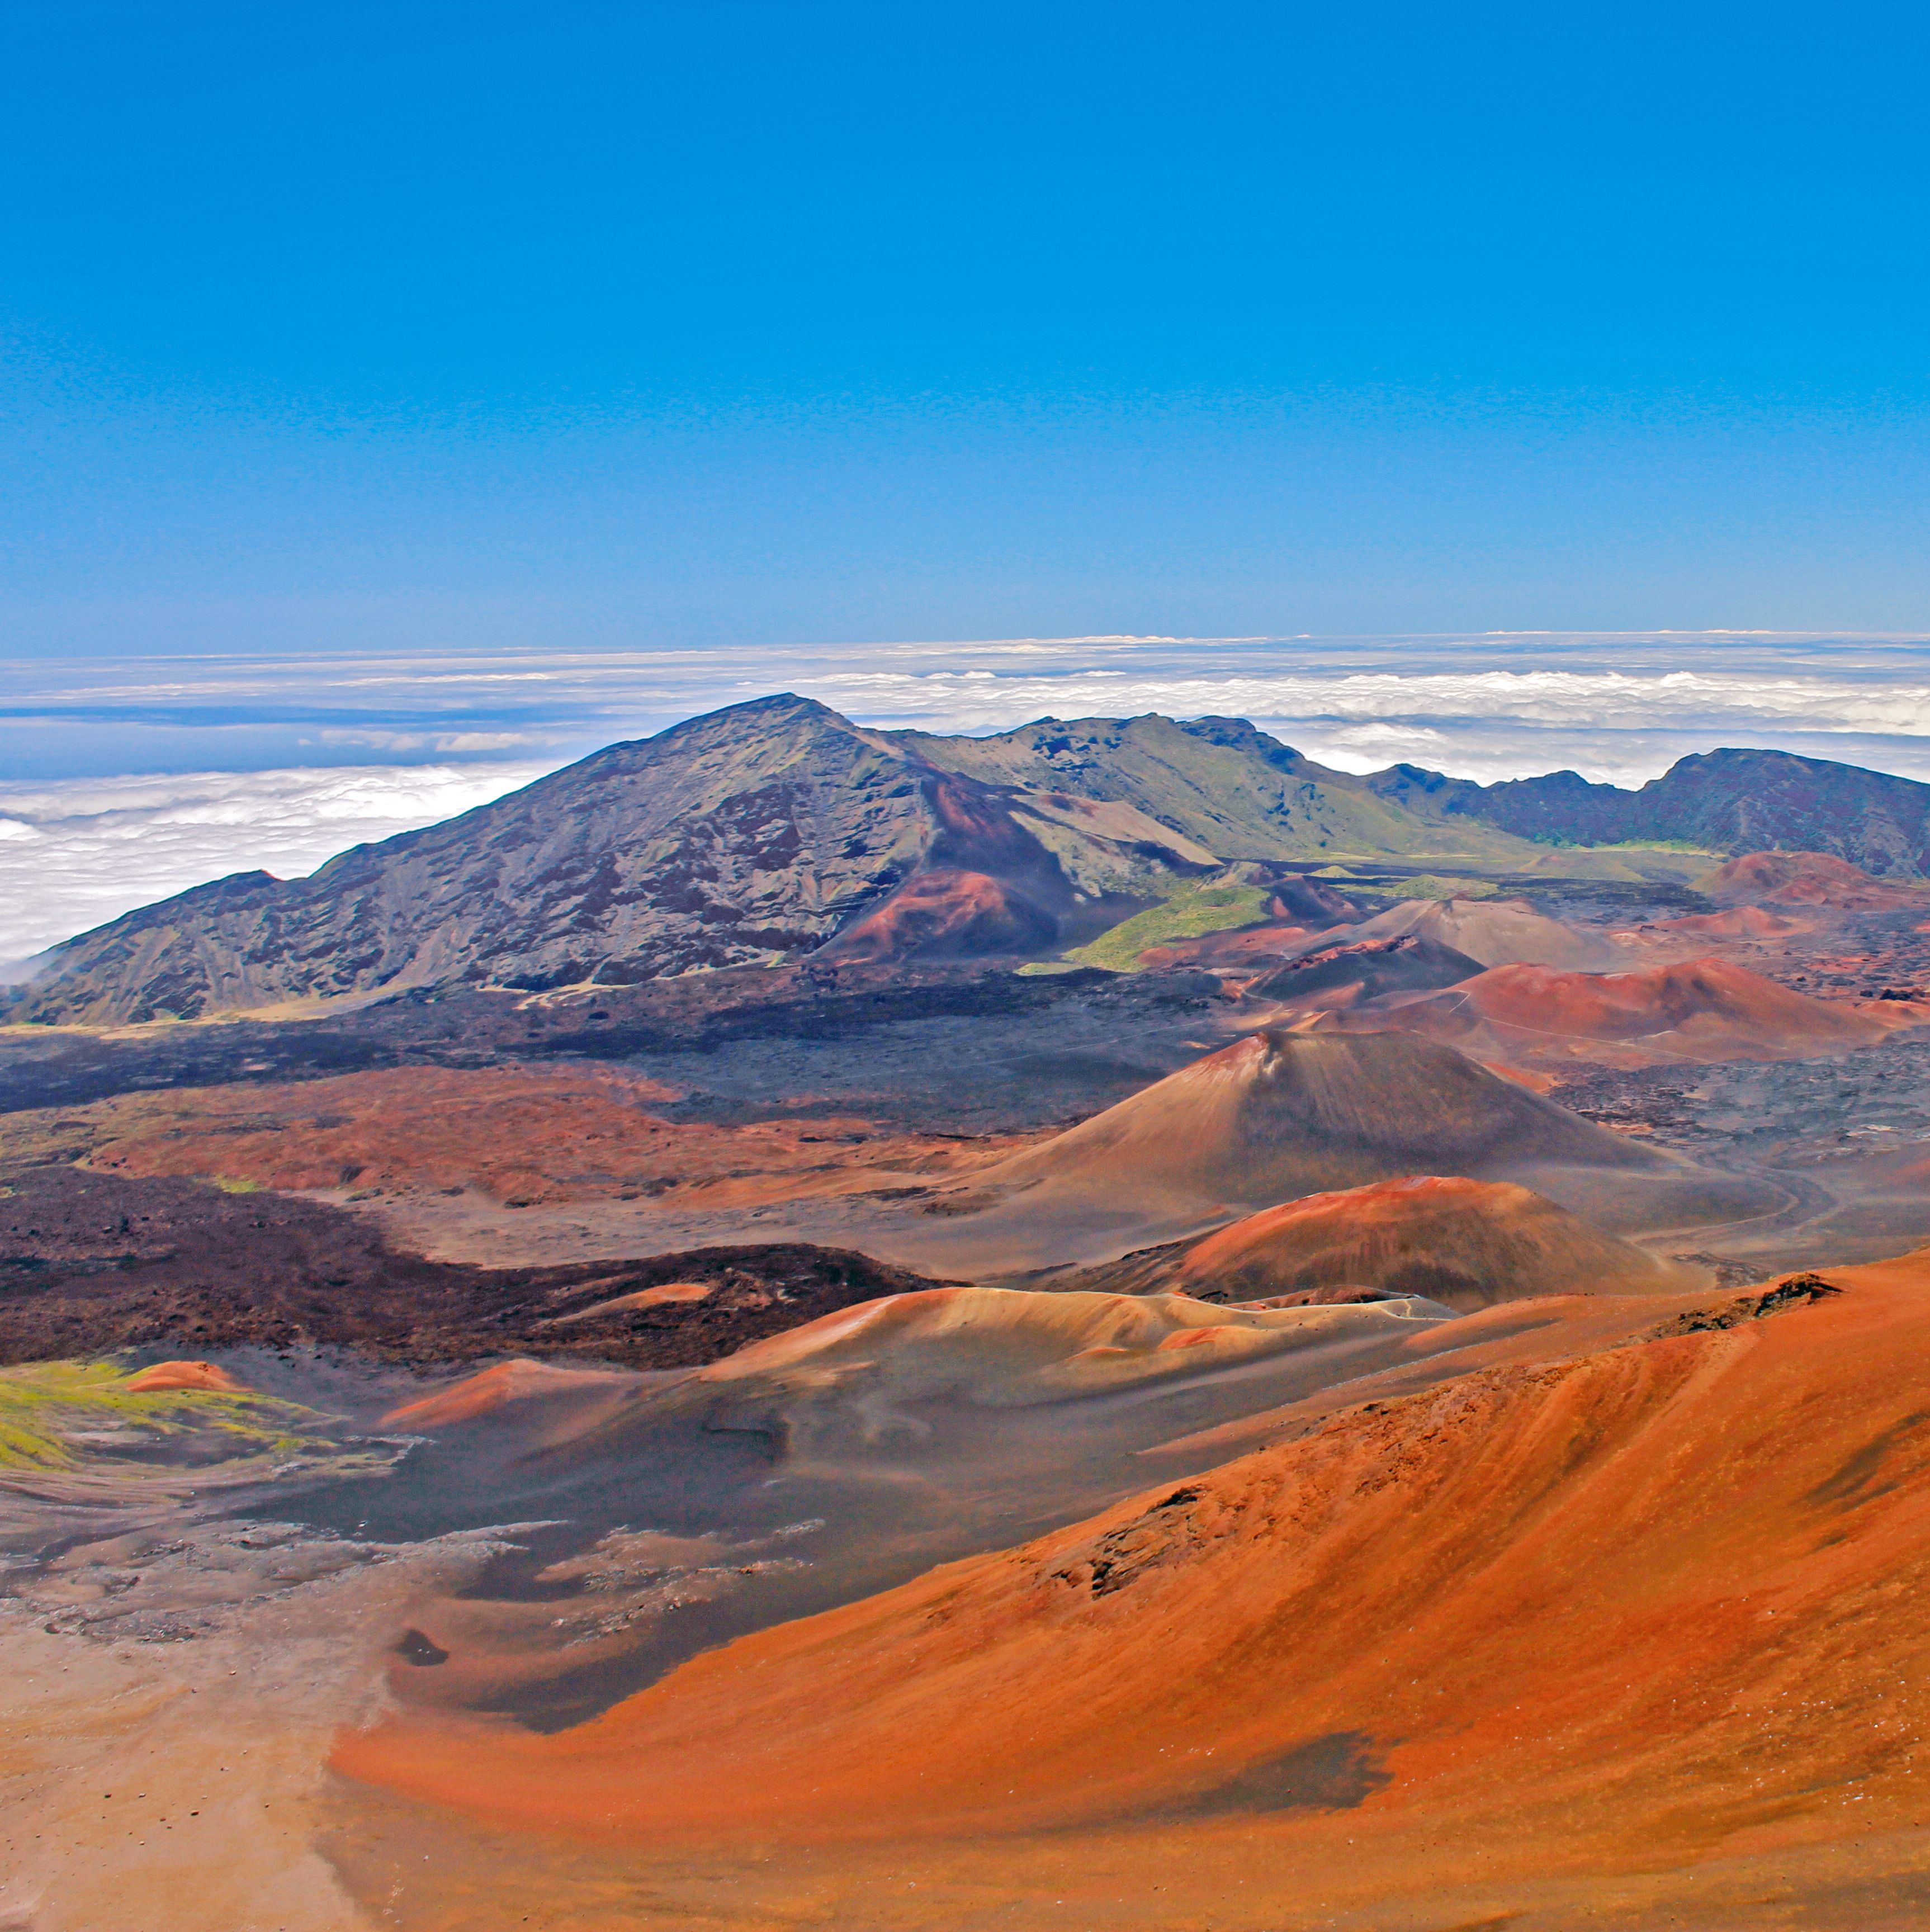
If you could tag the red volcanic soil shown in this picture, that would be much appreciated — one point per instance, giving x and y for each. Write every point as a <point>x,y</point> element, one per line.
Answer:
<point>519,1137</point>
<point>1702,1010</point>
<point>185,1376</point>
<point>1804,878</point>
<point>951,914</point>
<point>1619,1612</point>
<point>1466,1243</point>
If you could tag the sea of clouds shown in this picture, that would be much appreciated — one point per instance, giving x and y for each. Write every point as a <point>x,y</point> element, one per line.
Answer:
<point>122,782</point>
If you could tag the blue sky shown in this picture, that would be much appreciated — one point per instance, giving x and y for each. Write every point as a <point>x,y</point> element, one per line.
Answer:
<point>398,400</point>
<point>422,328</point>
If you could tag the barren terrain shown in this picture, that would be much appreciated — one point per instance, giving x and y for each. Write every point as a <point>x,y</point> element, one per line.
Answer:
<point>913,1443</point>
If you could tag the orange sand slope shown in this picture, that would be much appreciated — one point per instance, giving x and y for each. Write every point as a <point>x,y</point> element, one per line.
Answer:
<point>1627,1610</point>
<point>1705,1010</point>
<point>1464,1243</point>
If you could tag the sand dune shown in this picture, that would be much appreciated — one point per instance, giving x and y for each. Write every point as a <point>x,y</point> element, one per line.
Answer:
<point>1702,1010</point>
<point>1637,1608</point>
<point>1465,1243</point>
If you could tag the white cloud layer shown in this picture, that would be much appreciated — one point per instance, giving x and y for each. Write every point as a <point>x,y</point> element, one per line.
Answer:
<point>356,747</point>
<point>83,851</point>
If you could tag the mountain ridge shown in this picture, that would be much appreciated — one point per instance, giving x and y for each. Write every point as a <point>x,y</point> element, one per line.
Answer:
<point>1731,799</point>
<point>773,831</point>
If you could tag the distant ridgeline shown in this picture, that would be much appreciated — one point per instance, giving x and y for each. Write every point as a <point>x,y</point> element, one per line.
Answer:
<point>777,831</point>
<point>1727,801</point>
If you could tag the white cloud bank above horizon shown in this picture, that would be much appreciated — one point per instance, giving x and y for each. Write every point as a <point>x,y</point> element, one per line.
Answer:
<point>81,851</point>
<point>354,749</point>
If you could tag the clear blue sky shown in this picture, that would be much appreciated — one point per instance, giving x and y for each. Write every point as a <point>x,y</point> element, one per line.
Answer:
<point>347,324</point>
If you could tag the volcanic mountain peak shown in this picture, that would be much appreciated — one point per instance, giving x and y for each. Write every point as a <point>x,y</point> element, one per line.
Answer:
<point>751,836</point>
<point>1239,792</point>
<point>772,830</point>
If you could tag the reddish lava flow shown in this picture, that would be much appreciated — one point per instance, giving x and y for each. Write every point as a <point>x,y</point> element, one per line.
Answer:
<point>519,1137</point>
<point>1624,1610</point>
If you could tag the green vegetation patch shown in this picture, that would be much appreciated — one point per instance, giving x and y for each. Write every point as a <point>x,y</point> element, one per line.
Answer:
<point>1656,845</point>
<point>1192,910</point>
<point>49,1411</point>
